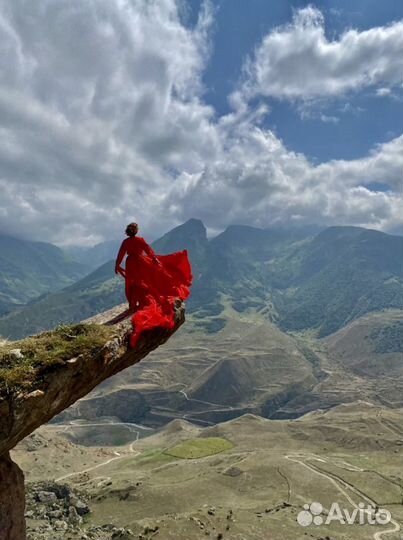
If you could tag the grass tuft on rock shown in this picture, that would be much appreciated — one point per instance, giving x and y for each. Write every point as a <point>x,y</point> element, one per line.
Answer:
<point>23,363</point>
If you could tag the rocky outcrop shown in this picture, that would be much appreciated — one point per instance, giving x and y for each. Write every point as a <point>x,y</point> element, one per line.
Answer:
<point>22,413</point>
<point>55,511</point>
<point>12,500</point>
<point>54,507</point>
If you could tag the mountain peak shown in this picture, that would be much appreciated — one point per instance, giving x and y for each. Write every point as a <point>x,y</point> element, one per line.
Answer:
<point>189,235</point>
<point>193,225</point>
<point>341,231</point>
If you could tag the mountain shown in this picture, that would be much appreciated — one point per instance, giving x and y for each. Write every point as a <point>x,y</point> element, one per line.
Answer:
<point>249,366</point>
<point>238,268</point>
<point>192,236</point>
<point>372,347</point>
<point>94,256</point>
<point>302,281</point>
<point>339,275</point>
<point>30,269</point>
<point>298,278</point>
<point>100,290</point>
<point>96,292</point>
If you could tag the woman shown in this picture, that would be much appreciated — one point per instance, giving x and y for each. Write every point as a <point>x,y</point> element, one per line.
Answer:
<point>138,255</point>
<point>152,282</point>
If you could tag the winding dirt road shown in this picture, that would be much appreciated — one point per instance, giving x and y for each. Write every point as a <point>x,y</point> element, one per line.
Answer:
<point>110,460</point>
<point>297,458</point>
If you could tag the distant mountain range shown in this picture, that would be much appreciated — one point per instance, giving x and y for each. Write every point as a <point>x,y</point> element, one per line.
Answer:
<point>298,278</point>
<point>93,257</point>
<point>30,269</point>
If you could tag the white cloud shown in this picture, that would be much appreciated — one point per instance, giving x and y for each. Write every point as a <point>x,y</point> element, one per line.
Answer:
<point>103,121</point>
<point>381,92</point>
<point>98,99</point>
<point>297,61</point>
<point>258,181</point>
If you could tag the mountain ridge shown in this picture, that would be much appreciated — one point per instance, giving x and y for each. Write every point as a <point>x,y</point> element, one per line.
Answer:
<point>301,279</point>
<point>29,269</point>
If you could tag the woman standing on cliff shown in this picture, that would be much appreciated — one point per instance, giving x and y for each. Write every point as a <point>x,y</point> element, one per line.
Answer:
<point>152,282</point>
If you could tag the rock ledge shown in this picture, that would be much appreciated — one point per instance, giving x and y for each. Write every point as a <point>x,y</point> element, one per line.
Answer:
<point>22,413</point>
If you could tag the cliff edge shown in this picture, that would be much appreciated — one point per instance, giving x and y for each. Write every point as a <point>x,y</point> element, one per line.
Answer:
<point>44,374</point>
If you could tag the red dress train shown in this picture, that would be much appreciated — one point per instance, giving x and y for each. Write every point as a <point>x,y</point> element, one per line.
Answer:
<point>152,284</point>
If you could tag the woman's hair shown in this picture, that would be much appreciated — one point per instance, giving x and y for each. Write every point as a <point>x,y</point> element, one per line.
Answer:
<point>132,229</point>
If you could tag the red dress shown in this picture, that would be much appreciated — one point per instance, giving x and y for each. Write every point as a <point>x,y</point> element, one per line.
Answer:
<point>152,284</point>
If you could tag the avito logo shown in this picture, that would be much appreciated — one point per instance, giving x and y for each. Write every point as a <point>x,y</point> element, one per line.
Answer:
<point>361,515</point>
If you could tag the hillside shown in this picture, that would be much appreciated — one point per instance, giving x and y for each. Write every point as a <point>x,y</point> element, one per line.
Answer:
<point>319,282</point>
<point>341,274</point>
<point>30,269</point>
<point>372,348</point>
<point>251,366</point>
<point>250,479</point>
<point>93,294</point>
<point>248,366</point>
<point>255,363</point>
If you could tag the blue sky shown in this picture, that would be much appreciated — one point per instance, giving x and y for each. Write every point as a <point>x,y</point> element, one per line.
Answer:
<point>238,28</point>
<point>257,112</point>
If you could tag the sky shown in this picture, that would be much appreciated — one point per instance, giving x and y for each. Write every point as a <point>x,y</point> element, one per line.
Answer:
<point>265,113</point>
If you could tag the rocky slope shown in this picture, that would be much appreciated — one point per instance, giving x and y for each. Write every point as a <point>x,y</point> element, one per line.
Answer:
<point>24,410</point>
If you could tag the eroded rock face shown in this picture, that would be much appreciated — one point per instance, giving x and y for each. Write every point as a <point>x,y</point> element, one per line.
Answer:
<point>21,414</point>
<point>54,507</point>
<point>127,405</point>
<point>12,500</point>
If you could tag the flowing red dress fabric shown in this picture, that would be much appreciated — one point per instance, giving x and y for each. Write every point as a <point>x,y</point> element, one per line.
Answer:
<point>153,284</point>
